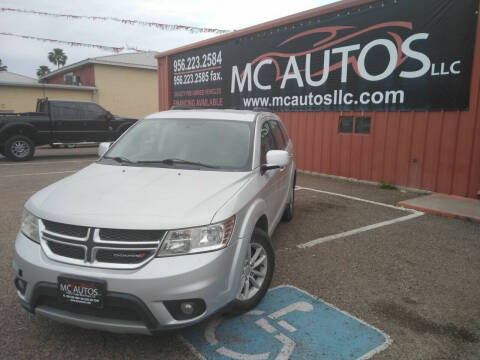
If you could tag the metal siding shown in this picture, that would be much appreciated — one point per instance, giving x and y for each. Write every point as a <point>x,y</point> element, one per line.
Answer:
<point>446,145</point>
<point>164,90</point>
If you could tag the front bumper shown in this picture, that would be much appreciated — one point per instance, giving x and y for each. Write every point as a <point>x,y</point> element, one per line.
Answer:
<point>208,276</point>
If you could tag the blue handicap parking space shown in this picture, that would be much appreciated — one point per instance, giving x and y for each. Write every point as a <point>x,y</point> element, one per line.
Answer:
<point>288,324</point>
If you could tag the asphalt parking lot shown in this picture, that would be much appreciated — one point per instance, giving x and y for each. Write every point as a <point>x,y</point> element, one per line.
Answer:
<point>415,279</point>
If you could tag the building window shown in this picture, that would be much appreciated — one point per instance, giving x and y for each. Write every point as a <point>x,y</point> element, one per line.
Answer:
<point>346,124</point>
<point>362,125</point>
<point>350,125</point>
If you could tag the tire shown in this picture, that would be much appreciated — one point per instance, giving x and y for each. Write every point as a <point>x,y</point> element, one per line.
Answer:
<point>289,210</point>
<point>249,297</point>
<point>19,148</point>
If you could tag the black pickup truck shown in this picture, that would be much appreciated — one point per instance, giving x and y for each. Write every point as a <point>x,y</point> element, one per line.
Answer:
<point>57,121</point>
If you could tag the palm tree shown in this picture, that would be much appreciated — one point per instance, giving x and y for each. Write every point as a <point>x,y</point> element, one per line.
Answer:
<point>43,70</point>
<point>57,57</point>
<point>3,67</point>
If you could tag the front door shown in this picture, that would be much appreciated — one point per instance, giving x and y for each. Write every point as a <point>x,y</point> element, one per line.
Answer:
<point>67,121</point>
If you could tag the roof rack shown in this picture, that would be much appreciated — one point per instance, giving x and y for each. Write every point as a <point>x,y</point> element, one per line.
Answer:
<point>183,108</point>
<point>256,109</point>
<point>262,109</point>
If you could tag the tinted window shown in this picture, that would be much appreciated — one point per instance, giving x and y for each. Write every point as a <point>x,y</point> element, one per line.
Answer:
<point>346,124</point>
<point>362,125</point>
<point>93,112</point>
<point>277,134</point>
<point>267,142</point>
<point>67,111</point>
<point>284,132</point>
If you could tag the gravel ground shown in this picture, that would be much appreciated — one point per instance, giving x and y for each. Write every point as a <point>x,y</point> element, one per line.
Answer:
<point>416,280</point>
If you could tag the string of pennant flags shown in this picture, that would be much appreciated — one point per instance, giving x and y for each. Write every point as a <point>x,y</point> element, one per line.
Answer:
<point>160,26</point>
<point>115,49</point>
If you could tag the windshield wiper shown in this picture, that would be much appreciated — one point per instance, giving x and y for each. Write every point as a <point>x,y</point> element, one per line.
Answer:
<point>120,159</point>
<point>176,161</point>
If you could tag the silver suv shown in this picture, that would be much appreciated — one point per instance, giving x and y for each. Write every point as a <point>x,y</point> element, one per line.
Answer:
<point>171,225</point>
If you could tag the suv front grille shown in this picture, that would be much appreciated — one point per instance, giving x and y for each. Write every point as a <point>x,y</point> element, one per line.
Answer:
<point>110,248</point>
<point>65,229</point>
<point>130,235</point>
<point>74,252</point>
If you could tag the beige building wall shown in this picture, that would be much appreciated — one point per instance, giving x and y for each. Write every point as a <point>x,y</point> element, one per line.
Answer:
<point>127,91</point>
<point>24,99</point>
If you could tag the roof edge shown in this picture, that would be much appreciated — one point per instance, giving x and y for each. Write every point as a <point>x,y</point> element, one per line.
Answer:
<point>322,10</point>
<point>92,61</point>
<point>48,86</point>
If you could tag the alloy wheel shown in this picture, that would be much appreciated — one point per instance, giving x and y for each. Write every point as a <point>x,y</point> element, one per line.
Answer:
<point>20,148</point>
<point>254,271</point>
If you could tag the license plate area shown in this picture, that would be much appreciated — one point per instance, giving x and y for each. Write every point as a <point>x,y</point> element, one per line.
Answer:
<point>81,291</point>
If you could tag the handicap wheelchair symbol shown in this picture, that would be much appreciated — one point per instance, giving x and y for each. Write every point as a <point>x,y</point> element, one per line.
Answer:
<point>288,344</point>
<point>288,324</point>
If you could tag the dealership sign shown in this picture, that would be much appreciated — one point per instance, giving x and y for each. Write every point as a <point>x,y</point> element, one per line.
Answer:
<point>389,55</point>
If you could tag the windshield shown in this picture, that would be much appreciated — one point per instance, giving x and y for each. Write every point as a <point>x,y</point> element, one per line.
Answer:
<point>185,143</point>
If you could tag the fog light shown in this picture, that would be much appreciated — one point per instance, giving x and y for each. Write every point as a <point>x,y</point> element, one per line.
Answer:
<point>21,285</point>
<point>187,308</point>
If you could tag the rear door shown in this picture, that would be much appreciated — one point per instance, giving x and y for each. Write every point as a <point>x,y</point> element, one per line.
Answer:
<point>67,120</point>
<point>97,126</point>
<point>281,143</point>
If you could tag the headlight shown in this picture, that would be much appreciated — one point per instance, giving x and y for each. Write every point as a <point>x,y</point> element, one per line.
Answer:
<point>199,239</point>
<point>29,226</point>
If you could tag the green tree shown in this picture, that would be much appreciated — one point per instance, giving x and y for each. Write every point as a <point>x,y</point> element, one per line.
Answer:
<point>3,67</point>
<point>43,70</point>
<point>57,57</point>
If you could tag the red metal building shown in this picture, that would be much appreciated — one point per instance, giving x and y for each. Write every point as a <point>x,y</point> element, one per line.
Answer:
<point>432,150</point>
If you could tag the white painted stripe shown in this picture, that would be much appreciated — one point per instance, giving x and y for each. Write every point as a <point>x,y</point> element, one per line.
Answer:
<point>287,326</point>
<point>357,198</point>
<point>358,230</point>
<point>47,162</point>
<point>287,349</point>
<point>255,312</point>
<point>210,331</point>
<point>45,173</point>
<point>264,324</point>
<point>238,356</point>
<point>298,306</point>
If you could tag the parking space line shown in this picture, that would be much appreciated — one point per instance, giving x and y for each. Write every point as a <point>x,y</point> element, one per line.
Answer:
<point>413,214</point>
<point>45,173</point>
<point>357,231</point>
<point>354,198</point>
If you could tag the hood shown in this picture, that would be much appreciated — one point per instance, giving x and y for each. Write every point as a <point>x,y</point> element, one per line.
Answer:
<point>130,197</point>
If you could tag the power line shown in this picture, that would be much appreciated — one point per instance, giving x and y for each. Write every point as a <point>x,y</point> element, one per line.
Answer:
<point>75,43</point>
<point>166,27</point>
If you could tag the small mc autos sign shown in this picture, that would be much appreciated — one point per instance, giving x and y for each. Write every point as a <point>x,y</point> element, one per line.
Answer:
<point>385,55</point>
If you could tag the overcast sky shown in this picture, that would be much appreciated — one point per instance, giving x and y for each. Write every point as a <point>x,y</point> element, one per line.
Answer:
<point>25,56</point>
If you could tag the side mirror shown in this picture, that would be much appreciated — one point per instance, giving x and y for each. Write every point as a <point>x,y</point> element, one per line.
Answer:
<point>276,159</point>
<point>109,116</point>
<point>103,147</point>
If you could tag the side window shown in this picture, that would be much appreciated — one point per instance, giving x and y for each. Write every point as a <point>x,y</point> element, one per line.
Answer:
<point>66,111</point>
<point>277,134</point>
<point>93,112</point>
<point>284,132</point>
<point>267,142</point>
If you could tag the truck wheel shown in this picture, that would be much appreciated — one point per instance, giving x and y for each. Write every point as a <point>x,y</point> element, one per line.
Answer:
<point>19,148</point>
<point>257,273</point>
